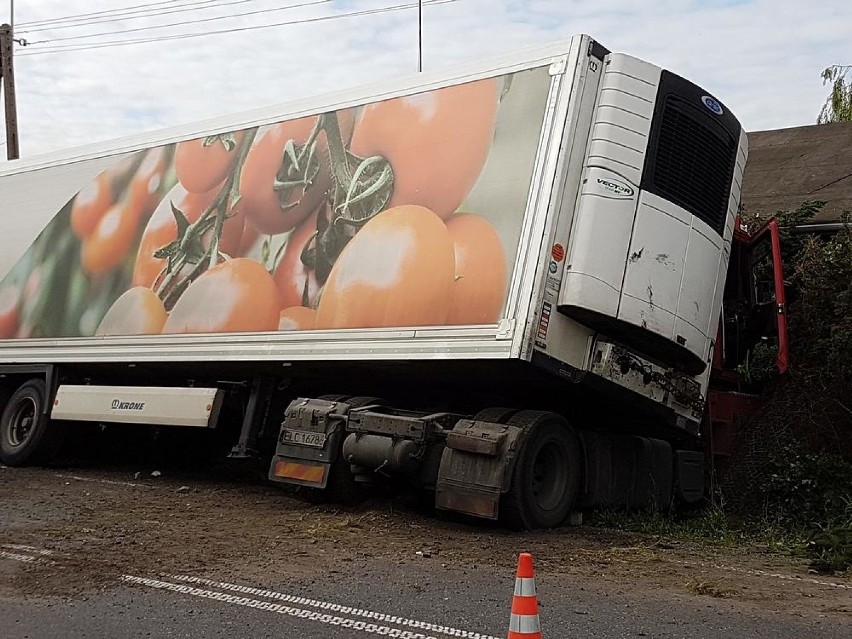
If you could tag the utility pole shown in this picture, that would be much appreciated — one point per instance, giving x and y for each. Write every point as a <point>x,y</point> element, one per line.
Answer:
<point>7,73</point>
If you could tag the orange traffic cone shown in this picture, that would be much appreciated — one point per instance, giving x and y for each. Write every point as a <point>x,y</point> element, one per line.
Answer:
<point>524,623</point>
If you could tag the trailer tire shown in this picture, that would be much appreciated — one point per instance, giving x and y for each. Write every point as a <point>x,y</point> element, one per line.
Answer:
<point>547,474</point>
<point>27,435</point>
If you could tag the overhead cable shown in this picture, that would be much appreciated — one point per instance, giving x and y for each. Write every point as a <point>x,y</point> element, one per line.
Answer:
<point>110,12</point>
<point>183,36</point>
<point>299,5</point>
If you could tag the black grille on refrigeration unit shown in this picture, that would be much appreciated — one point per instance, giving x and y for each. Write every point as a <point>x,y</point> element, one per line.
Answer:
<point>692,152</point>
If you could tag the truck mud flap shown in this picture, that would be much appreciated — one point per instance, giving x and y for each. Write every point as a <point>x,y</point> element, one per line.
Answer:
<point>689,476</point>
<point>308,442</point>
<point>476,467</point>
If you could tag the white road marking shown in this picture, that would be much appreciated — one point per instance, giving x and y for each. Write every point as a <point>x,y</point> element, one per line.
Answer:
<point>104,481</point>
<point>26,548</point>
<point>17,557</point>
<point>332,607</point>
<point>370,624</point>
<point>318,616</point>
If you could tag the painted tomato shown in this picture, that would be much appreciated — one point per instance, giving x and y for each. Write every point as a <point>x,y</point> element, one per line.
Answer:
<point>297,318</point>
<point>269,210</point>
<point>137,312</point>
<point>10,310</point>
<point>397,271</point>
<point>231,240</point>
<point>480,284</point>
<point>291,275</point>
<point>110,242</point>
<point>162,230</point>
<point>90,205</point>
<point>203,163</point>
<point>236,295</point>
<point>249,239</point>
<point>436,142</point>
<point>120,171</point>
<point>144,188</point>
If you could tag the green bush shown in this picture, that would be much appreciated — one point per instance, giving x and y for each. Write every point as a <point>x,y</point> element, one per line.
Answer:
<point>808,490</point>
<point>793,460</point>
<point>830,549</point>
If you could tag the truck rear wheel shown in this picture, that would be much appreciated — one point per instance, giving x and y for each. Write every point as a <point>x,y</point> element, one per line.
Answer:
<point>547,472</point>
<point>26,435</point>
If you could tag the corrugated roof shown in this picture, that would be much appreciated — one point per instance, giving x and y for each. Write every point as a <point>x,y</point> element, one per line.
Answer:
<point>789,166</point>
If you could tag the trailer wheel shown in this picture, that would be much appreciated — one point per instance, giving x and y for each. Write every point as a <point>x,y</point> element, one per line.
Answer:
<point>26,434</point>
<point>547,472</point>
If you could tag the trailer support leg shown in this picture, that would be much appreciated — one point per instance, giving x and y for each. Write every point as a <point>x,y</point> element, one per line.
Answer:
<point>253,419</point>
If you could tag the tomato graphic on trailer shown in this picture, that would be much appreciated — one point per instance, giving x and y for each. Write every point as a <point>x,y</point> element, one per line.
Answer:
<point>137,312</point>
<point>162,231</point>
<point>297,283</point>
<point>436,142</point>
<point>479,288</point>
<point>397,271</point>
<point>203,163</point>
<point>400,212</point>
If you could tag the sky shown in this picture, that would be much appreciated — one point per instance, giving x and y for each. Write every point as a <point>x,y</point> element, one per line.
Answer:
<point>763,58</point>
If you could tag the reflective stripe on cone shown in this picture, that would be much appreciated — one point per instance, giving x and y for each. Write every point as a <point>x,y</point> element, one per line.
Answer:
<point>524,622</point>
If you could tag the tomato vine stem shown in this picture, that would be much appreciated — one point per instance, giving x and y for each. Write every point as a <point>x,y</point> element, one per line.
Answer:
<point>361,188</point>
<point>184,250</point>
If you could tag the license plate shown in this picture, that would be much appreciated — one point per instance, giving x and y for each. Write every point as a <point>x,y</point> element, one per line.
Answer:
<point>303,438</point>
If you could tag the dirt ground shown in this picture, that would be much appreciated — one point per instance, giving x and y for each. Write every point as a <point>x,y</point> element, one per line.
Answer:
<point>98,524</point>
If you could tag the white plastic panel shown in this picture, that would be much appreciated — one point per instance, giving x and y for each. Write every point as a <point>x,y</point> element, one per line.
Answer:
<point>137,405</point>
<point>656,258</point>
<point>673,266</point>
<point>614,116</point>
<point>623,117</point>
<point>716,307</point>
<point>689,336</point>
<point>669,273</point>
<point>701,269</point>
<point>604,216</point>
<point>652,318</point>
<point>599,241</point>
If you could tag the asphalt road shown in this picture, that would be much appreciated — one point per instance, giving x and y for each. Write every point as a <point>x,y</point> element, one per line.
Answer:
<point>364,600</point>
<point>65,572</point>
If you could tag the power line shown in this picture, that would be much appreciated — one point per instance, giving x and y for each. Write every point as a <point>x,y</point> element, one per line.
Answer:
<point>185,22</point>
<point>146,13</point>
<point>183,36</point>
<point>105,12</point>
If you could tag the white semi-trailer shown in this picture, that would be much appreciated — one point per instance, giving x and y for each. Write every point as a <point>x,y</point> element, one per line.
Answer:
<point>548,232</point>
